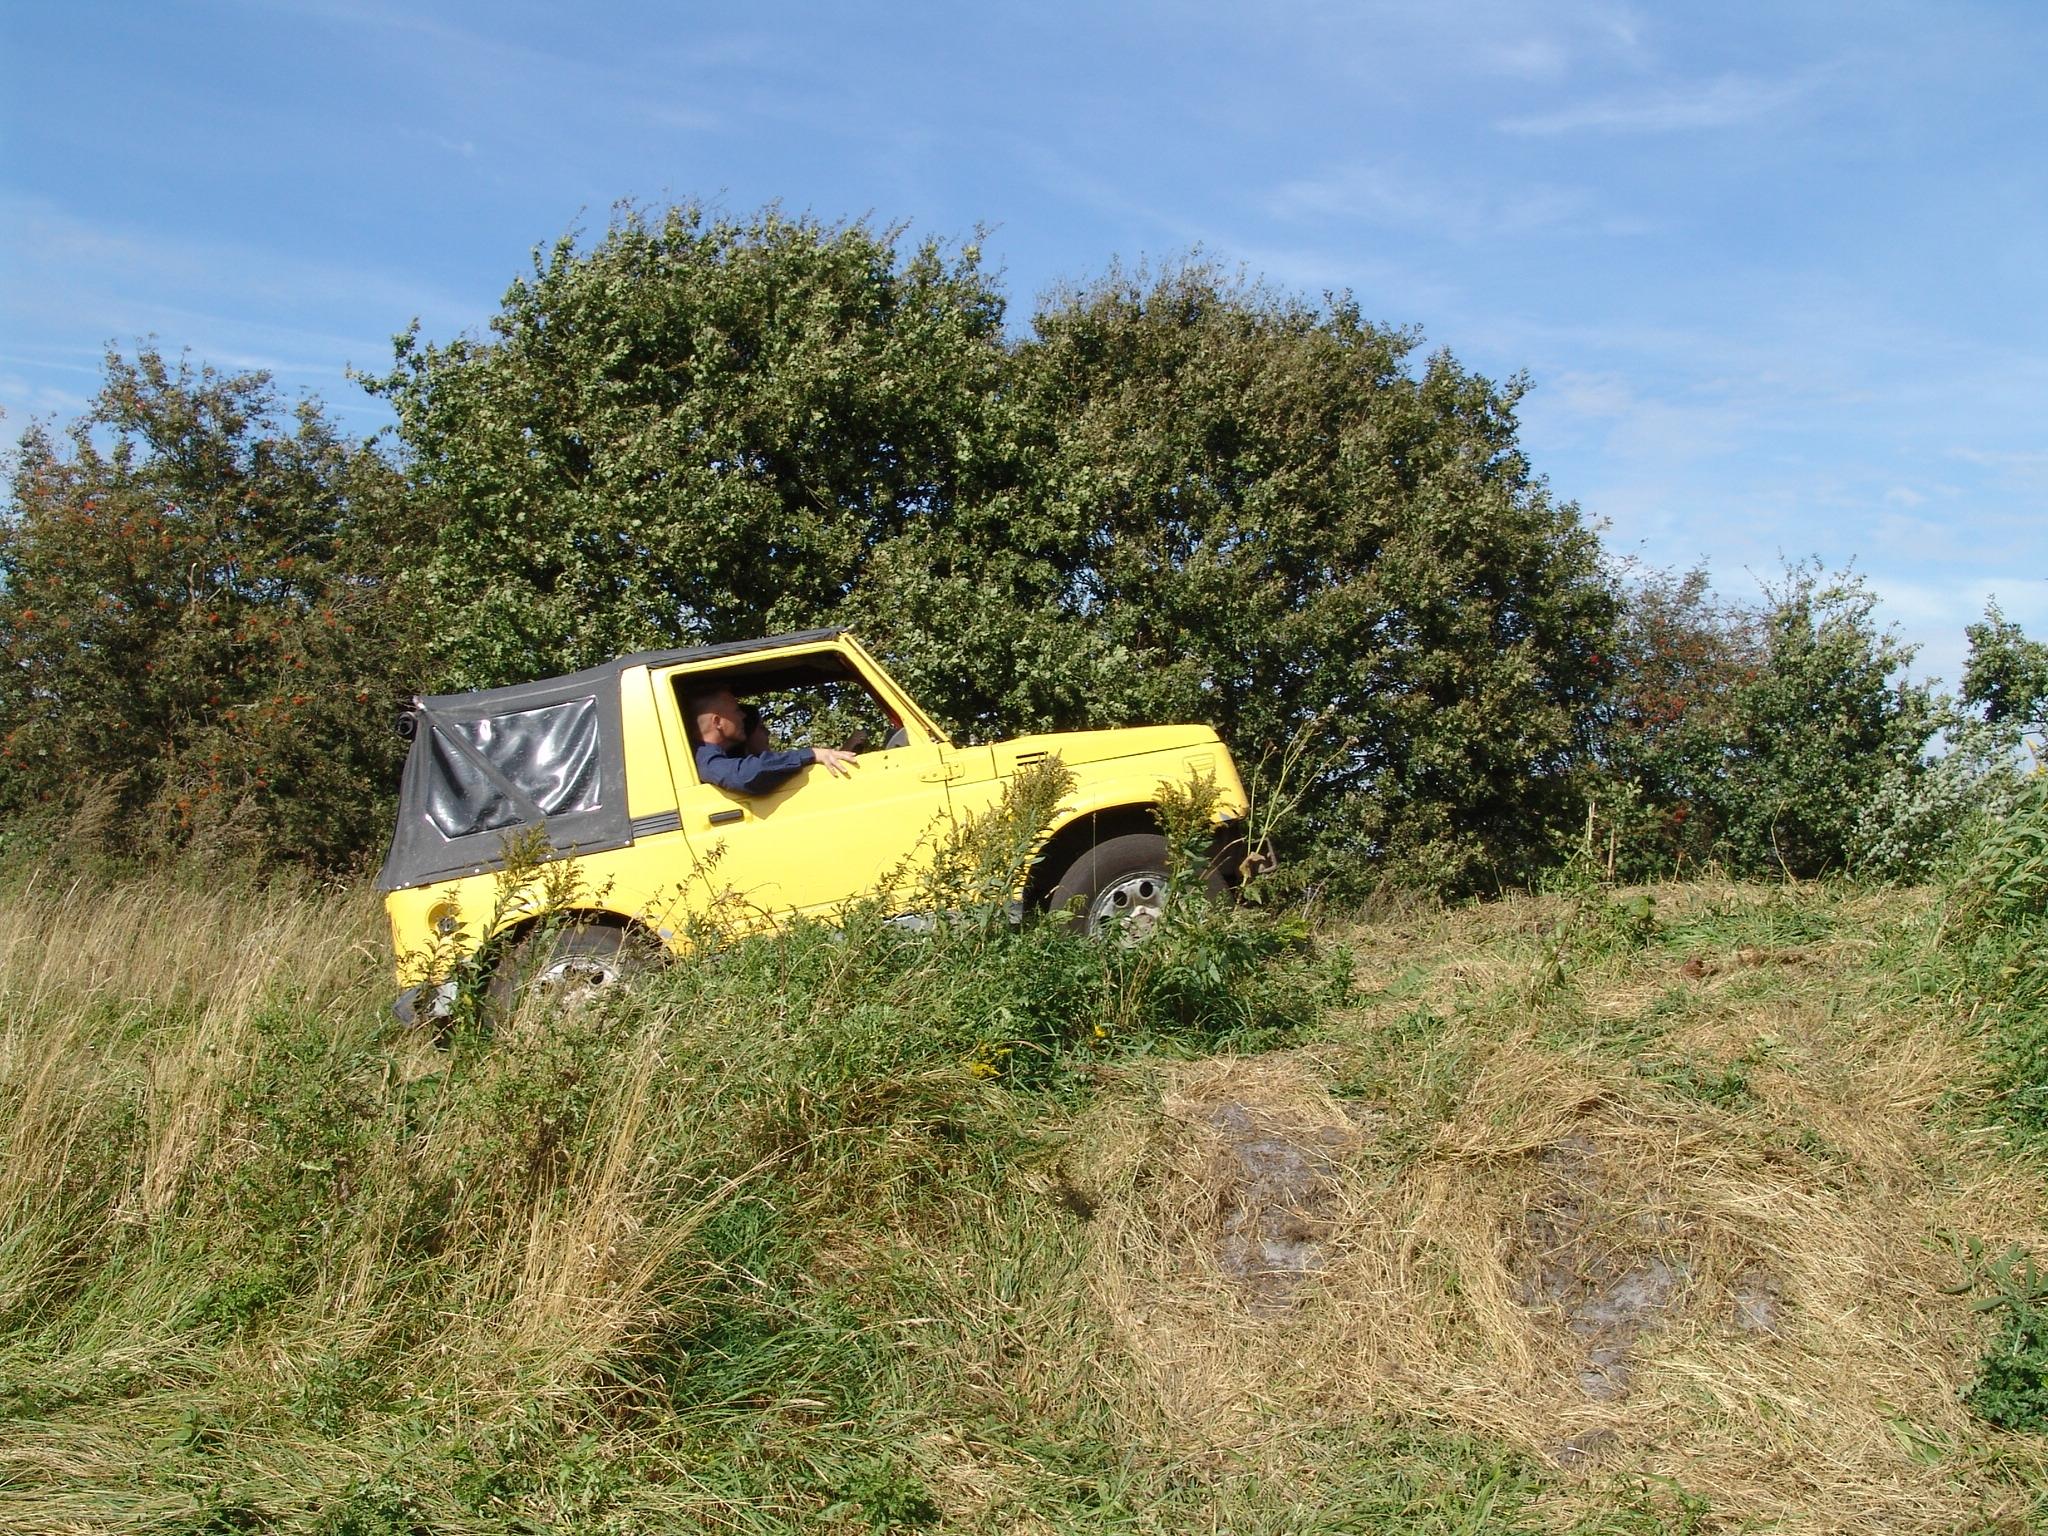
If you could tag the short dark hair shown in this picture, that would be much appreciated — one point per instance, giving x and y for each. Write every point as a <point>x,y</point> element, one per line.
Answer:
<point>701,694</point>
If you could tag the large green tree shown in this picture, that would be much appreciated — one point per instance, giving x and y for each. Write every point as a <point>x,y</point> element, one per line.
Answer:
<point>1210,501</point>
<point>199,632</point>
<point>696,429</point>
<point>1182,497</point>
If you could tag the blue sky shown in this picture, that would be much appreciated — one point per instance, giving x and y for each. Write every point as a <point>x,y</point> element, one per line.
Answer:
<point>1776,271</point>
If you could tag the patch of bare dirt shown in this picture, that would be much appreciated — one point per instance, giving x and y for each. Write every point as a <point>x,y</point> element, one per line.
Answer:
<point>1276,1197</point>
<point>1741,1299</point>
<point>1599,1285</point>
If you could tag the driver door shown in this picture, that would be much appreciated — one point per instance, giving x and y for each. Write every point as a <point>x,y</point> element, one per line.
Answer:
<point>814,841</point>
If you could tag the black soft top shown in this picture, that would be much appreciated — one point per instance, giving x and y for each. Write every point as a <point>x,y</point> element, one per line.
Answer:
<point>543,754</point>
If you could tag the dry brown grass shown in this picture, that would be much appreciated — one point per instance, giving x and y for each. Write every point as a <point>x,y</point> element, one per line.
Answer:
<point>138,997</point>
<point>1754,1298</point>
<point>1684,1211</point>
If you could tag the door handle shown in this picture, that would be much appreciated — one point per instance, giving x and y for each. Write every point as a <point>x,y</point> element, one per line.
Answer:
<point>726,818</point>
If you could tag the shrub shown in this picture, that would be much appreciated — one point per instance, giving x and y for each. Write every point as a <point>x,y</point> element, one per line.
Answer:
<point>1922,811</point>
<point>1755,737</point>
<point>199,628</point>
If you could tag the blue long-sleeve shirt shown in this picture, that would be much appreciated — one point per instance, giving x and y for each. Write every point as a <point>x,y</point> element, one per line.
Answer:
<point>753,773</point>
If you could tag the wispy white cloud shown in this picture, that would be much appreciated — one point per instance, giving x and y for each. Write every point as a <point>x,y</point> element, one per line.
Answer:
<point>1373,194</point>
<point>234,305</point>
<point>1729,102</point>
<point>464,148</point>
<point>738,50</point>
<point>1506,39</point>
<point>1935,614</point>
<point>1087,187</point>
<point>676,115</point>
<point>22,399</point>
<point>511,68</point>
<point>1527,58</point>
<point>1931,541</point>
<point>1439,208</point>
<point>1401,291</point>
<point>1393,293</point>
<point>80,361</point>
<point>1675,423</point>
<point>2025,468</point>
<point>368,15</point>
<point>1962,600</point>
<point>128,274</point>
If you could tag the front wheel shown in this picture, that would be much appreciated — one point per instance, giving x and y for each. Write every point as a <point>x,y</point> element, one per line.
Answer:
<point>570,967</point>
<point>1120,882</point>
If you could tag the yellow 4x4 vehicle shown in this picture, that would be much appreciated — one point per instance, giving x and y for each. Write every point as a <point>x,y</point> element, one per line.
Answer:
<point>601,764</point>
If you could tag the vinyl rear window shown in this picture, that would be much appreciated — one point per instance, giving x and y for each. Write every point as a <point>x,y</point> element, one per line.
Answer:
<point>547,757</point>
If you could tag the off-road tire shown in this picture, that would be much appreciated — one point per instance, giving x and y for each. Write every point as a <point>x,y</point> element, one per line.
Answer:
<point>1121,880</point>
<point>583,962</point>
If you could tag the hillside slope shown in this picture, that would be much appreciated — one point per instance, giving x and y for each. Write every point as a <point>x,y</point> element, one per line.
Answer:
<point>1630,1211</point>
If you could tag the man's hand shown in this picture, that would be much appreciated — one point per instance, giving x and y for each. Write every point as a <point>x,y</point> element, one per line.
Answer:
<point>836,762</point>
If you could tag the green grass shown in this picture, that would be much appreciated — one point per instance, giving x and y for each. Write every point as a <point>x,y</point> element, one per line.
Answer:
<point>863,1230</point>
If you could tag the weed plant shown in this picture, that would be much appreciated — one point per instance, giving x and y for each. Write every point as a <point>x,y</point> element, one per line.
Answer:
<point>752,1246</point>
<point>1995,923</point>
<point>2011,1388</point>
<point>875,1227</point>
<point>1995,920</point>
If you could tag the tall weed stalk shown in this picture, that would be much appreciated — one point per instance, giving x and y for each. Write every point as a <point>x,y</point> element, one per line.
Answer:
<point>1995,918</point>
<point>723,1251</point>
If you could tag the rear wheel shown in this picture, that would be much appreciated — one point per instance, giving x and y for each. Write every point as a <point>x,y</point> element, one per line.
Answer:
<point>1120,883</point>
<point>570,967</point>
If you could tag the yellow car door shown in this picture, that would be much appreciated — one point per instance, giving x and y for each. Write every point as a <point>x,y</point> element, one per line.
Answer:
<point>814,841</point>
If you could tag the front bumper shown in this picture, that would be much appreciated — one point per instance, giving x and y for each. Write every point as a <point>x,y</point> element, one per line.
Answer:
<point>424,1005</point>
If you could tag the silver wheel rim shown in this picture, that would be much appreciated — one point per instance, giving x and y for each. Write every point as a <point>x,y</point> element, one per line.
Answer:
<point>1132,904</point>
<point>575,979</point>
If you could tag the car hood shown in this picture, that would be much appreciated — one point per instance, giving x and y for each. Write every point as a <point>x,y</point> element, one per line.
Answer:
<point>1076,747</point>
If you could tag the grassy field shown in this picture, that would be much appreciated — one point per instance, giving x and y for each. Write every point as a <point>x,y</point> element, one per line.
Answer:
<point>1693,1208</point>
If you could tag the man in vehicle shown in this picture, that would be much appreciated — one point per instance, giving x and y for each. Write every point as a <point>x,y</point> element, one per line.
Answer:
<point>757,730</point>
<point>723,755</point>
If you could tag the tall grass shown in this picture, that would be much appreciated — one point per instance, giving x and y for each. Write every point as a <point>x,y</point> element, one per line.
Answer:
<point>866,1229</point>
<point>1996,921</point>
<point>744,1249</point>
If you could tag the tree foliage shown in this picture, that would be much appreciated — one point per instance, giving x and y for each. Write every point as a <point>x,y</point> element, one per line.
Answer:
<point>696,430</point>
<point>1929,809</point>
<point>1180,496</point>
<point>2006,676</point>
<point>1183,497</point>
<point>1214,502</point>
<point>198,620</point>
<point>1754,736</point>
